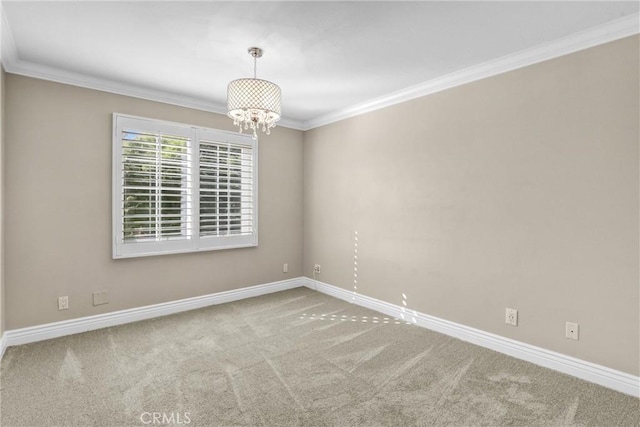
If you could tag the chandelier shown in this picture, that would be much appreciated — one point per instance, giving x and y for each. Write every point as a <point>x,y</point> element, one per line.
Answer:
<point>253,103</point>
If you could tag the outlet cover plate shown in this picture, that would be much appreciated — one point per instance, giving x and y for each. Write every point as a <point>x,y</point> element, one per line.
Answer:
<point>63,303</point>
<point>511,317</point>
<point>572,331</point>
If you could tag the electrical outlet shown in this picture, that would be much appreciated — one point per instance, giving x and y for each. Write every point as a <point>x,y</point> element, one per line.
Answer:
<point>100,297</point>
<point>511,317</point>
<point>285,268</point>
<point>63,303</point>
<point>316,269</point>
<point>571,330</point>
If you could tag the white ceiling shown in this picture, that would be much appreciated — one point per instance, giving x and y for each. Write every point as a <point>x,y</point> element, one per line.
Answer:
<point>326,56</point>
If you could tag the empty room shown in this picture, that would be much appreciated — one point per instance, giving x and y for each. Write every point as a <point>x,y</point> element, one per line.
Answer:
<point>300,213</point>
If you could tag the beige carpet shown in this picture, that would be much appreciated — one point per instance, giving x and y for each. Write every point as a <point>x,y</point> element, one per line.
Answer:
<point>292,358</point>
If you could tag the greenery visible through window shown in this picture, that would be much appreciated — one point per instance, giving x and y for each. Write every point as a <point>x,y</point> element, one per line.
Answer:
<point>179,188</point>
<point>154,180</point>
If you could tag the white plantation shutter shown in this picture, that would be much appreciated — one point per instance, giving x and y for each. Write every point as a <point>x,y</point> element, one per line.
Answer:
<point>155,177</point>
<point>227,189</point>
<point>178,188</point>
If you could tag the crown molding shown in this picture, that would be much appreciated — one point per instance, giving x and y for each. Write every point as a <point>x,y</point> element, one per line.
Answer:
<point>8,52</point>
<point>608,32</point>
<point>13,64</point>
<point>44,72</point>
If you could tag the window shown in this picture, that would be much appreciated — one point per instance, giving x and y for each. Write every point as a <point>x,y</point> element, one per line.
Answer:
<point>180,188</point>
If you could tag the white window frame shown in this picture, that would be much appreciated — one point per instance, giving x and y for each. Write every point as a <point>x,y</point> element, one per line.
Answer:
<point>195,242</point>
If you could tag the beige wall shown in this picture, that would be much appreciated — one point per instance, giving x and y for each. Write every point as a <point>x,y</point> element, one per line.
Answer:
<point>2,129</point>
<point>58,209</point>
<point>519,190</point>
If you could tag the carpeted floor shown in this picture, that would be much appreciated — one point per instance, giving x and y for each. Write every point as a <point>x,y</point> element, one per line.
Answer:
<point>292,358</point>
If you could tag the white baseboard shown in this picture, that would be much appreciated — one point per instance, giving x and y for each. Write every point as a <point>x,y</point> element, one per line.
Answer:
<point>607,377</point>
<point>90,323</point>
<point>3,345</point>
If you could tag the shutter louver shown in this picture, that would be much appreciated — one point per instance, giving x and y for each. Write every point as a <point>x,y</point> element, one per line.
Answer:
<point>155,187</point>
<point>226,189</point>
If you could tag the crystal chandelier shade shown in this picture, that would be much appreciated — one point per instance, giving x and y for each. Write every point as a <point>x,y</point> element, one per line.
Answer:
<point>253,103</point>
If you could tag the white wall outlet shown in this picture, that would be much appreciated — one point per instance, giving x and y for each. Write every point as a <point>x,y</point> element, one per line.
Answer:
<point>316,269</point>
<point>100,297</point>
<point>511,317</point>
<point>571,330</point>
<point>63,303</point>
<point>285,268</point>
